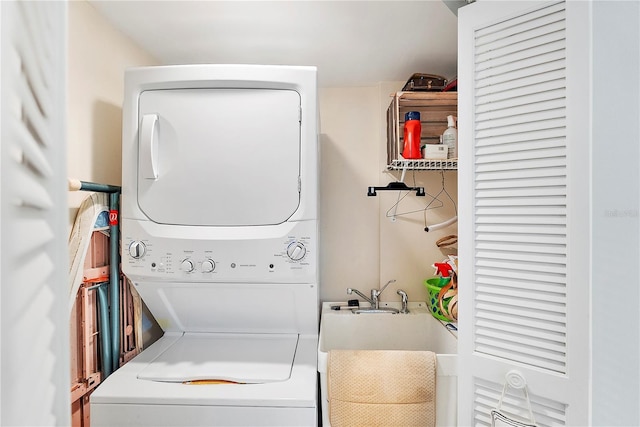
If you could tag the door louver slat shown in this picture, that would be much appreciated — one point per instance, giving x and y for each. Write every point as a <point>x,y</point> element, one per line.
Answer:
<point>532,31</point>
<point>520,127</point>
<point>521,174</point>
<point>530,147</point>
<point>551,62</point>
<point>515,353</point>
<point>526,80</point>
<point>488,214</point>
<point>31,150</point>
<point>521,192</point>
<point>513,93</point>
<point>532,295</point>
<point>537,135</point>
<point>519,46</point>
<point>30,192</point>
<point>530,266</point>
<point>37,269</point>
<point>521,275</point>
<point>33,116</point>
<point>522,219</point>
<point>36,46</point>
<point>497,32</point>
<point>526,247</point>
<point>35,233</point>
<point>551,287</point>
<point>525,303</point>
<point>540,326</point>
<point>510,73</point>
<point>522,202</point>
<point>519,312</point>
<point>514,234</point>
<point>520,164</point>
<point>522,183</point>
<point>522,330</point>
<point>529,117</point>
<point>527,341</point>
<point>541,258</point>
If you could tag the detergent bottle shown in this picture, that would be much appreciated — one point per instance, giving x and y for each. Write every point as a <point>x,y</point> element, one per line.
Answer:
<point>412,132</point>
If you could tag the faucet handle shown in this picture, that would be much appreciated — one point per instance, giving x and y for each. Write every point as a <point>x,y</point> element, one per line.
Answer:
<point>376,293</point>
<point>385,286</point>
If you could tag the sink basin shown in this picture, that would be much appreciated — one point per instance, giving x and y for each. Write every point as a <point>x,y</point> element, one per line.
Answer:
<point>370,329</point>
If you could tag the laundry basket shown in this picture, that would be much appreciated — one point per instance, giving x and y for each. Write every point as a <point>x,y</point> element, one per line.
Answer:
<point>441,293</point>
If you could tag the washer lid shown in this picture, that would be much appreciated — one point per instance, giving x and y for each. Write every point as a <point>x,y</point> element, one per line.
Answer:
<point>241,358</point>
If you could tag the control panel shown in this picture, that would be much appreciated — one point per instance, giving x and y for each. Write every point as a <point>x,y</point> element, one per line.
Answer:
<point>292,257</point>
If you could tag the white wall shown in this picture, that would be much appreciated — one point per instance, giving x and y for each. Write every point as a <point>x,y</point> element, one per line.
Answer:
<point>97,57</point>
<point>361,247</point>
<point>615,213</point>
<point>349,120</point>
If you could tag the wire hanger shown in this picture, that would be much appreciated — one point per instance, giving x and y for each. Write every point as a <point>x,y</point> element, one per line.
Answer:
<point>398,186</point>
<point>392,212</point>
<point>447,222</point>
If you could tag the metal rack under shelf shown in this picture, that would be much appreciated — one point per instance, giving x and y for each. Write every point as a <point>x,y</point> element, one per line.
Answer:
<point>424,164</point>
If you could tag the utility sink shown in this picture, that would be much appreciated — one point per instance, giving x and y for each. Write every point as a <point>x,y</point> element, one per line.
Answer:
<point>362,329</point>
<point>345,329</point>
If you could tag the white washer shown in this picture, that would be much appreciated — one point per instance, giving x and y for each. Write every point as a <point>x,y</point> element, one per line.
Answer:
<point>220,237</point>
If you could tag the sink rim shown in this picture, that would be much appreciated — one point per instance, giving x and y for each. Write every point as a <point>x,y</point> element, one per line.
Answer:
<point>380,310</point>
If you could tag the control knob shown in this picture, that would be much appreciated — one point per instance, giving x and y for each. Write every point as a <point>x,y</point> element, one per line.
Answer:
<point>208,265</point>
<point>137,249</point>
<point>296,251</point>
<point>186,265</point>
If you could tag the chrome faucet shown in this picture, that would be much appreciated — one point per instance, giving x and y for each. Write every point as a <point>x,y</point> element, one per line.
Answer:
<point>405,301</point>
<point>375,294</point>
<point>351,291</point>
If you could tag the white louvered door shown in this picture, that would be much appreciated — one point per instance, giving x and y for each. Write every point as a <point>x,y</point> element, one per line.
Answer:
<point>523,285</point>
<point>33,264</point>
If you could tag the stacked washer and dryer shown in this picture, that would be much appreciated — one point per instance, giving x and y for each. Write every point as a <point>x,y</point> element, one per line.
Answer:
<point>220,237</point>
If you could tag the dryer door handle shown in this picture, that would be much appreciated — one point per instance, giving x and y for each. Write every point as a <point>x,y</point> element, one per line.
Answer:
<point>148,147</point>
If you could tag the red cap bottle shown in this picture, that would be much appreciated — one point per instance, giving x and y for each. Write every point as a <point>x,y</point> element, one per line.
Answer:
<point>412,131</point>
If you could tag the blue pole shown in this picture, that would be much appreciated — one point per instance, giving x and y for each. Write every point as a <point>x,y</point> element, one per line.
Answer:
<point>101,188</point>
<point>114,279</point>
<point>105,335</point>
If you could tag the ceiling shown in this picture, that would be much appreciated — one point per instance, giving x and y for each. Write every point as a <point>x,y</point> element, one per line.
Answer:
<point>353,43</point>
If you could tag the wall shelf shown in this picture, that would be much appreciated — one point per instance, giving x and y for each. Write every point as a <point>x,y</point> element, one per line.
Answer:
<point>434,107</point>
<point>423,164</point>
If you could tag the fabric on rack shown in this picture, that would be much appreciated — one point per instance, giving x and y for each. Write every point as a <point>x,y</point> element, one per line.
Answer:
<point>378,388</point>
<point>137,315</point>
<point>80,238</point>
<point>498,419</point>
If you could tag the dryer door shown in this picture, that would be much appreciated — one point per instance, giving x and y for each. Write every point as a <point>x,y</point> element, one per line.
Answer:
<point>219,157</point>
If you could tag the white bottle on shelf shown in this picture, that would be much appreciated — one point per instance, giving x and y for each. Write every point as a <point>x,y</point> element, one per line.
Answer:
<point>450,138</point>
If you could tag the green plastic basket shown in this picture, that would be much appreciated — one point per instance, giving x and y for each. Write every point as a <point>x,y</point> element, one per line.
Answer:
<point>433,286</point>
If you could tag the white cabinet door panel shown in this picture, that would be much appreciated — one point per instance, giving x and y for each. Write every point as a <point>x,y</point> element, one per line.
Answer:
<point>523,297</point>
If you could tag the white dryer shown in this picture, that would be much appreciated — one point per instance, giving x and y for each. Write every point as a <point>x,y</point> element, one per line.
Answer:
<point>220,237</point>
